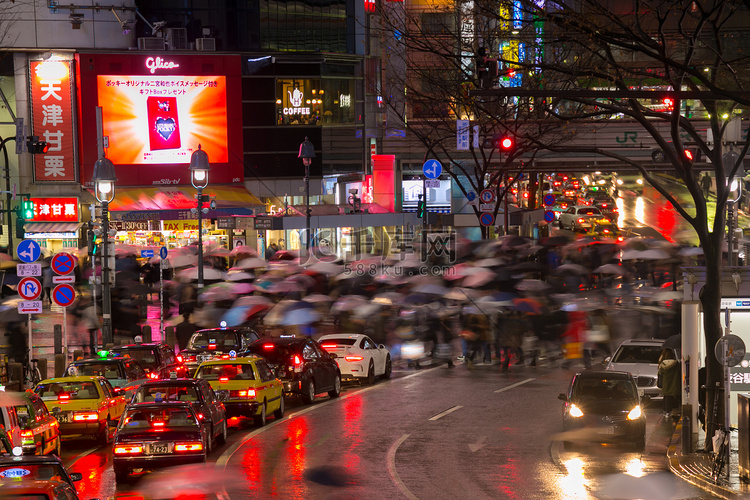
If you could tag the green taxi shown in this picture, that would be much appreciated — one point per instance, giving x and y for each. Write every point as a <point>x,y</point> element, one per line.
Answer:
<point>247,387</point>
<point>40,431</point>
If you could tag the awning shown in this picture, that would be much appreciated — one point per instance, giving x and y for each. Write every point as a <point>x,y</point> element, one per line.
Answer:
<point>179,198</point>
<point>61,229</point>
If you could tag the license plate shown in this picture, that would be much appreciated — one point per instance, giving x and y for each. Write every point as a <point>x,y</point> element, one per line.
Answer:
<point>62,418</point>
<point>158,448</point>
<point>607,430</point>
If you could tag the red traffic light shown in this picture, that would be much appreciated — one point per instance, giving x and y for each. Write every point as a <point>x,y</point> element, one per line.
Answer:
<point>689,154</point>
<point>505,143</point>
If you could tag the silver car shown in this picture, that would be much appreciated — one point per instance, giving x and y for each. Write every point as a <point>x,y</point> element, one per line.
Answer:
<point>640,357</point>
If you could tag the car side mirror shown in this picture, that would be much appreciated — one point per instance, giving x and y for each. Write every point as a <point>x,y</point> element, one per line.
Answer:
<point>562,397</point>
<point>381,346</point>
<point>75,476</point>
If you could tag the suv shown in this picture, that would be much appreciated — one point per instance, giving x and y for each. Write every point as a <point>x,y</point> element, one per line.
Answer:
<point>302,365</point>
<point>217,343</point>
<point>159,360</point>
<point>641,358</point>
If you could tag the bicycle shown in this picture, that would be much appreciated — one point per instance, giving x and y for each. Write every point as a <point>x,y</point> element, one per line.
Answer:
<point>721,441</point>
<point>31,373</point>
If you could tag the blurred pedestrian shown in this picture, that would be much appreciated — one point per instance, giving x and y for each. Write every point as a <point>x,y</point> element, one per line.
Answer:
<point>669,369</point>
<point>706,184</point>
<point>17,333</point>
<point>47,284</point>
<point>183,331</point>
<point>89,320</point>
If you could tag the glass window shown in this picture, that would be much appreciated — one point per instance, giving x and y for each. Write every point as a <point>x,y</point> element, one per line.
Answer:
<point>39,408</point>
<point>22,411</point>
<point>213,340</point>
<point>309,352</point>
<point>107,370</point>
<point>134,371</point>
<point>106,388</point>
<point>145,355</point>
<point>637,354</point>
<point>67,391</point>
<point>139,417</point>
<point>315,102</point>
<point>264,370</point>
<point>226,372</point>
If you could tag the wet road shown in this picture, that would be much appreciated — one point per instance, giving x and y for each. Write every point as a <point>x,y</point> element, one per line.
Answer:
<point>434,433</point>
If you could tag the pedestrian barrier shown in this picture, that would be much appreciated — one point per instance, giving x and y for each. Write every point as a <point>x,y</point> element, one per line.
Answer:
<point>59,365</point>
<point>42,365</point>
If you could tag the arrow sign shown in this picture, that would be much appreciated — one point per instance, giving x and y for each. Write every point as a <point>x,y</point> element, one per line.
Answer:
<point>28,251</point>
<point>432,169</point>
<point>62,263</point>
<point>147,254</point>
<point>479,444</point>
<point>487,196</point>
<point>30,307</point>
<point>163,252</point>
<point>29,288</point>
<point>63,295</point>
<point>64,279</point>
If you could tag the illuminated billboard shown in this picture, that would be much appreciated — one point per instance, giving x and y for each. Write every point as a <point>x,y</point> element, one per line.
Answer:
<point>156,111</point>
<point>162,119</point>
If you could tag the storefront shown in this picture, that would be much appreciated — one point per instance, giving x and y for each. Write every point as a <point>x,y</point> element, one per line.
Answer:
<point>55,225</point>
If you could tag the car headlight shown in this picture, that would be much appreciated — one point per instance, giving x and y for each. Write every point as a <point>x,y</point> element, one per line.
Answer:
<point>639,181</point>
<point>635,413</point>
<point>575,411</point>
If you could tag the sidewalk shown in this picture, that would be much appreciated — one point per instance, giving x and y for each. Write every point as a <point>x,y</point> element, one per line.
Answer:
<point>695,468</point>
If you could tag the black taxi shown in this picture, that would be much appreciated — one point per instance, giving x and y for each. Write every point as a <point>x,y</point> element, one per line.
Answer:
<point>217,343</point>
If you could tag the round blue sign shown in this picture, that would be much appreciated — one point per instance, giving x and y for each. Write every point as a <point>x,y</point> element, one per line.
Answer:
<point>549,215</point>
<point>471,196</point>
<point>549,199</point>
<point>163,252</point>
<point>432,169</point>
<point>486,219</point>
<point>28,251</point>
<point>63,295</point>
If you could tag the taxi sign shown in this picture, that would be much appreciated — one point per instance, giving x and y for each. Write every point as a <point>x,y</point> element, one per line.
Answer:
<point>29,288</point>
<point>232,353</point>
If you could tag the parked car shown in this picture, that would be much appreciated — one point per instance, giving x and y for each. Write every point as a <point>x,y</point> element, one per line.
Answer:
<point>579,217</point>
<point>125,374</point>
<point>217,343</point>
<point>198,393</point>
<point>157,359</point>
<point>37,477</point>
<point>40,431</point>
<point>302,365</point>
<point>607,406</point>
<point>247,386</point>
<point>358,356</point>
<point>156,435</point>
<point>83,406</point>
<point>640,357</point>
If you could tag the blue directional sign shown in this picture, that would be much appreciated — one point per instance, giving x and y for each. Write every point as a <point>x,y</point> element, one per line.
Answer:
<point>432,169</point>
<point>163,252</point>
<point>28,251</point>
<point>147,254</point>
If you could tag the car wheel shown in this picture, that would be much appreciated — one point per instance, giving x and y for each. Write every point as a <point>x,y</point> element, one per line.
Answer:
<point>260,420</point>
<point>103,436</point>
<point>222,439</point>
<point>388,368</point>
<point>309,396</point>
<point>334,393</point>
<point>121,475</point>
<point>371,373</point>
<point>282,407</point>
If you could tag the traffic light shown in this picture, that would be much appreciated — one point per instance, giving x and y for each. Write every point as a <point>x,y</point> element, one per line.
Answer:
<point>37,147</point>
<point>506,143</point>
<point>421,207</point>
<point>95,238</point>
<point>27,209</point>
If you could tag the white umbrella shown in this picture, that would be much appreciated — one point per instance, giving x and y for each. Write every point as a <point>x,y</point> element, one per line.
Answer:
<point>316,298</point>
<point>251,263</point>
<point>531,285</point>
<point>478,279</point>
<point>490,262</point>
<point>654,254</point>
<point>182,260</point>
<point>690,251</point>
<point>349,303</point>
<point>209,273</point>
<point>243,250</point>
<point>239,276</point>
<point>327,268</point>
<point>388,298</point>
<point>610,269</point>
<point>570,269</point>
<point>431,289</point>
<point>461,294</point>
<point>252,300</point>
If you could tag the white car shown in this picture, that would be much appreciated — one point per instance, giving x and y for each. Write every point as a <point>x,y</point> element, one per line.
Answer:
<point>358,356</point>
<point>579,217</point>
<point>640,357</point>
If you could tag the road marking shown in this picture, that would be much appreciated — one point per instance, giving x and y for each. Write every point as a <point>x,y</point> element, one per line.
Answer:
<point>444,413</point>
<point>391,463</point>
<point>514,385</point>
<point>223,460</point>
<point>80,456</point>
<point>479,444</point>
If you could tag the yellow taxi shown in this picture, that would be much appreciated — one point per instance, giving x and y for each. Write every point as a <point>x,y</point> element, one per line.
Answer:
<point>247,387</point>
<point>83,405</point>
<point>40,431</point>
<point>605,228</point>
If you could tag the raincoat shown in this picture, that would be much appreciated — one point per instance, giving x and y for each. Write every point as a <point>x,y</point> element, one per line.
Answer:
<point>670,372</point>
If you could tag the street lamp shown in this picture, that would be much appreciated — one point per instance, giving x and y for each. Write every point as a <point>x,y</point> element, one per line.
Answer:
<point>104,189</point>
<point>307,153</point>
<point>199,168</point>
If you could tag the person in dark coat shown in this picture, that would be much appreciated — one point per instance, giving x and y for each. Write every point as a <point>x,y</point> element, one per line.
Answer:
<point>18,336</point>
<point>669,369</point>
<point>184,330</point>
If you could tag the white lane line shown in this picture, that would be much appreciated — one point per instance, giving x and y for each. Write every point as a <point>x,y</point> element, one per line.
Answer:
<point>391,462</point>
<point>514,385</point>
<point>444,413</point>
<point>80,456</point>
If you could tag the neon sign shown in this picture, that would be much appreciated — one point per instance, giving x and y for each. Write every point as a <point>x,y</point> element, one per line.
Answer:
<point>295,99</point>
<point>154,63</point>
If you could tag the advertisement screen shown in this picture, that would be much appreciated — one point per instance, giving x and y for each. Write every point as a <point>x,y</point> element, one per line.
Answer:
<point>161,119</point>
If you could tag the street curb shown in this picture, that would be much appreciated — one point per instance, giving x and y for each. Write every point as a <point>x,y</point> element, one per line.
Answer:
<point>674,453</point>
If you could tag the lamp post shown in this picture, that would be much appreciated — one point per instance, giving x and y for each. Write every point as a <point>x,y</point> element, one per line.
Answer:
<point>307,153</point>
<point>199,168</point>
<point>104,189</point>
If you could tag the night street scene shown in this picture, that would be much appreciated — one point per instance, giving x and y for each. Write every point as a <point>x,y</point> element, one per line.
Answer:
<point>382,249</point>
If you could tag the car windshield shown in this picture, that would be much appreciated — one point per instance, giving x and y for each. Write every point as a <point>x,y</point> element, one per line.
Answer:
<point>107,370</point>
<point>335,342</point>
<point>213,340</point>
<point>226,372</point>
<point>67,391</point>
<point>159,393</point>
<point>33,472</point>
<point>145,355</point>
<point>604,389</point>
<point>274,353</point>
<point>637,354</point>
<point>157,417</point>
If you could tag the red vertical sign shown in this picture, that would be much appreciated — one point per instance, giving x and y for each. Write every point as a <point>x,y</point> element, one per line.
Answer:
<point>52,120</point>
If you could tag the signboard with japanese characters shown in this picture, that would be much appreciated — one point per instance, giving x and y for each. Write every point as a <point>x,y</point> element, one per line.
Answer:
<point>55,209</point>
<point>52,120</point>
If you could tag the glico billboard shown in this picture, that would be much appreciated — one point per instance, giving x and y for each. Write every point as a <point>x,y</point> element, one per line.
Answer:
<point>156,111</point>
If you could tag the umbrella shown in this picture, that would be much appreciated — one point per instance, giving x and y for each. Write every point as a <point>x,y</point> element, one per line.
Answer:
<point>528,266</point>
<point>349,303</point>
<point>217,292</point>
<point>182,260</point>
<point>239,276</point>
<point>570,269</point>
<point>302,279</point>
<point>243,250</point>
<point>252,300</point>
<point>503,296</point>
<point>610,269</point>
<point>317,298</point>
<point>528,306</point>
<point>251,263</point>
<point>479,279</point>
<point>690,251</point>
<point>461,294</point>
<point>431,289</point>
<point>512,241</point>
<point>209,273</point>
<point>284,287</point>
<point>388,298</point>
<point>654,254</point>
<point>297,317</point>
<point>637,243</point>
<point>327,268</point>
<point>241,288</point>
<point>276,314</point>
<point>217,252</point>
<point>673,342</point>
<point>532,285</point>
<point>367,310</point>
<point>491,262</point>
<point>631,254</point>
<point>238,315</point>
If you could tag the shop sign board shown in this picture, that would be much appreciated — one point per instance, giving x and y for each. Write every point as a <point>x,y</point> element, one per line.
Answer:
<point>128,225</point>
<point>225,223</point>
<point>55,209</point>
<point>268,223</point>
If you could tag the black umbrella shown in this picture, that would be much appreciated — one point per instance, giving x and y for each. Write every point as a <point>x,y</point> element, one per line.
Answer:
<point>673,342</point>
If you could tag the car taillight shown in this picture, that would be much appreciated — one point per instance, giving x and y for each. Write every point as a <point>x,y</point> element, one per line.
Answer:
<point>200,416</point>
<point>212,346</point>
<point>63,396</point>
<point>225,356</point>
<point>223,379</point>
<point>128,449</point>
<point>297,364</point>
<point>27,434</point>
<point>353,358</point>
<point>190,357</point>
<point>188,447</point>
<point>153,375</point>
<point>580,220</point>
<point>179,358</point>
<point>157,423</point>
<point>329,346</point>
<point>267,346</point>
<point>85,417</point>
<point>248,393</point>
